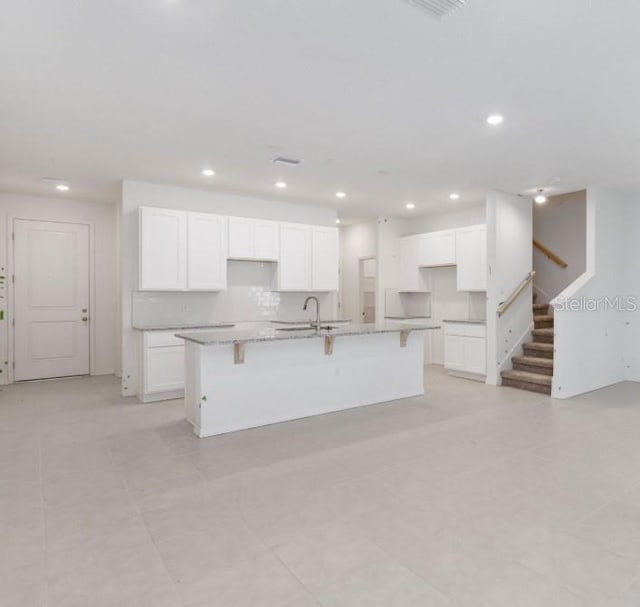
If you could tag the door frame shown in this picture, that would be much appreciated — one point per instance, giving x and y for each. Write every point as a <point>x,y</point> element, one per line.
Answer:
<point>361,261</point>
<point>11,290</point>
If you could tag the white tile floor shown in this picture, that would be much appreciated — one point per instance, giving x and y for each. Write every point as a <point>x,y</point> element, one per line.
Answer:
<point>470,497</point>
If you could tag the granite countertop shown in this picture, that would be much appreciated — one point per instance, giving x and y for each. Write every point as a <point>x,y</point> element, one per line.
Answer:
<point>407,317</point>
<point>468,321</point>
<point>220,325</point>
<point>206,338</point>
<point>308,322</point>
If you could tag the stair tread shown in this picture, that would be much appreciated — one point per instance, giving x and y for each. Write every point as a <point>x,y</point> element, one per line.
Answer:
<point>540,306</point>
<point>543,331</point>
<point>527,376</point>
<point>542,317</point>
<point>534,361</point>
<point>539,345</point>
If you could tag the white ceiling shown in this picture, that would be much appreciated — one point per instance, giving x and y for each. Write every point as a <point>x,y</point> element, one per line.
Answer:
<point>377,97</point>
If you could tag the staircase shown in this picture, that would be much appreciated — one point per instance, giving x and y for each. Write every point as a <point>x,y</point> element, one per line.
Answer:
<point>534,369</point>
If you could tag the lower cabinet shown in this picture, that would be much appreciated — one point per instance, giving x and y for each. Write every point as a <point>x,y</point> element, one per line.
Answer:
<point>161,374</point>
<point>465,349</point>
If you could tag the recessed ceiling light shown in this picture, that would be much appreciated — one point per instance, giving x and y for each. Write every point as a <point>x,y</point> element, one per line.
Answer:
<point>341,194</point>
<point>540,198</point>
<point>337,221</point>
<point>62,187</point>
<point>410,205</point>
<point>454,196</point>
<point>208,172</point>
<point>281,185</point>
<point>495,119</point>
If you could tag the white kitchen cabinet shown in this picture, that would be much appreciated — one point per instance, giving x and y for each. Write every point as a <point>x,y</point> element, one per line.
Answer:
<point>465,348</point>
<point>308,258</point>
<point>471,258</point>
<point>161,373</point>
<point>266,240</point>
<point>454,352</point>
<point>180,251</point>
<point>253,239</point>
<point>206,252</point>
<point>437,249</point>
<point>324,258</point>
<point>475,355</point>
<point>412,279</point>
<point>294,268</point>
<point>163,249</point>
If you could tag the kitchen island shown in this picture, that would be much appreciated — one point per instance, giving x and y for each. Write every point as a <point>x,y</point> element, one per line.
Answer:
<point>237,379</point>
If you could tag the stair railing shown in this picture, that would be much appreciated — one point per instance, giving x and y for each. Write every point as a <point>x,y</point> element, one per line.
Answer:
<point>550,254</point>
<point>506,304</point>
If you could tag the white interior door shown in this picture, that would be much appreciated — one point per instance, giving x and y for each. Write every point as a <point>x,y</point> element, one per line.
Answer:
<point>51,299</point>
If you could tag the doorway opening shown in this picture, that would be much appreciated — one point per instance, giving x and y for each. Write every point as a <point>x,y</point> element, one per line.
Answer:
<point>368,268</point>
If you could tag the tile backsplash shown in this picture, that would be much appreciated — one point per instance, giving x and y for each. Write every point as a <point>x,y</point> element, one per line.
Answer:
<point>250,297</point>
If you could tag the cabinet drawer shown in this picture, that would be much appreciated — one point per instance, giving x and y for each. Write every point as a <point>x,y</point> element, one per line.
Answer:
<point>465,329</point>
<point>476,331</point>
<point>454,328</point>
<point>158,339</point>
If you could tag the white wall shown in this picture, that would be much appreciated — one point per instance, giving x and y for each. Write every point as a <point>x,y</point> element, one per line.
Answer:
<point>388,256</point>
<point>357,242</point>
<point>459,218</point>
<point>632,288</point>
<point>103,219</point>
<point>509,255</point>
<point>560,225</point>
<point>136,194</point>
<point>593,345</point>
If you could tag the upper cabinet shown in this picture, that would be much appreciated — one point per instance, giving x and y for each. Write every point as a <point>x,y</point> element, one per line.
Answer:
<point>411,278</point>
<point>163,249</point>
<point>308,258</point>
<point>206,252</point>
<point>324,259</point>
<point>254,239</point>
<point>185,251</point>
<point>437,249</point>
<point>294,271</point>
<point>471,253</point>
<point>182,251</point>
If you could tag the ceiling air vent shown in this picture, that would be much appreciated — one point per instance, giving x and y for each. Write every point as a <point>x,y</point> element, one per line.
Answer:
<point>438,8</point>
<point>284,160</point>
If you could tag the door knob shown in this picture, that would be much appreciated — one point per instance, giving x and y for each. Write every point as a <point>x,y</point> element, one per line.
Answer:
<point>85,318</point>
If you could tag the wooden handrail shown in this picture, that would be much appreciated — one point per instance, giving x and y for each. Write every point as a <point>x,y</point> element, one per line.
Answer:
<point>550,254</point>
<point>505,305</point>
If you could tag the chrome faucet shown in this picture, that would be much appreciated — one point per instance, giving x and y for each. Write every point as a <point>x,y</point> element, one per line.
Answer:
<point>306,303</point>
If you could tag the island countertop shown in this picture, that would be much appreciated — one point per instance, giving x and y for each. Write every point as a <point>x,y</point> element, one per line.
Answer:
<point>219,337</point>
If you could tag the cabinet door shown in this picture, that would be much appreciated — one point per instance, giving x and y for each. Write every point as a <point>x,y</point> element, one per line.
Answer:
<point>454,352</point>
<point>471,252</point>
<point>324,256</point>
<point>164,369</point>
<point>207,252</point>
<point>446,248</point>
<point>475,355</point>
<point>162,249</point>
<point>294,268</point>
<point>412,278</point>
<point>241,238</point>
<point>266,236</point>
<point>437,248</point>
